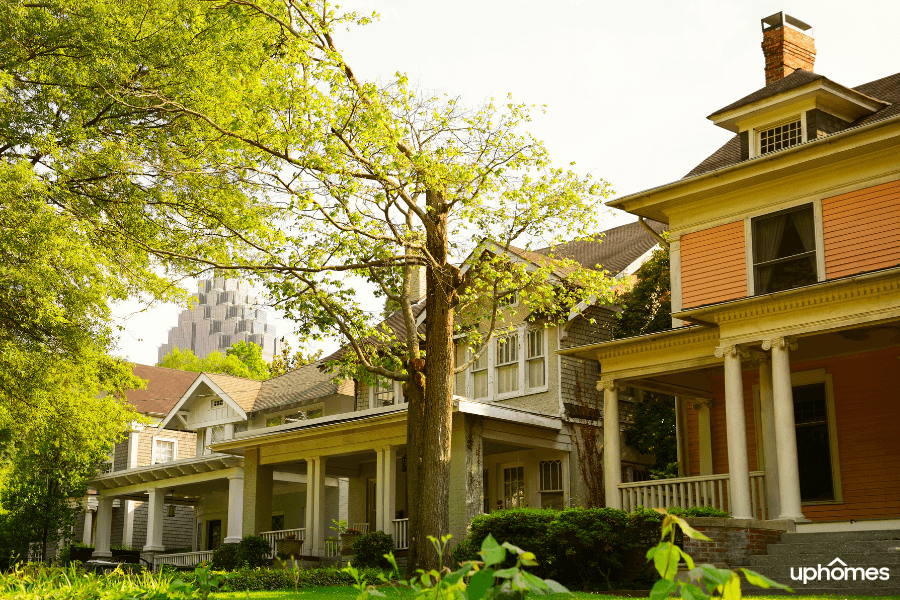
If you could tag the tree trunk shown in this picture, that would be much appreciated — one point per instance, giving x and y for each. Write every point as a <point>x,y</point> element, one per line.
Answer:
<point>431,405</point>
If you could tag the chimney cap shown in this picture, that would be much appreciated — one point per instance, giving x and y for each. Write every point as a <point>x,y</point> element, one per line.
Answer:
<point>780,19</point>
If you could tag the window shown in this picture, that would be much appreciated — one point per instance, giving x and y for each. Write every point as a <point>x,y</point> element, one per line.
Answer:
<point>509,299</point>
<point>273,421</point>
<point>163,451</point>
<point>215,435</point>
<point>304,415</point>
<point>813,447</point>
<point>382,392</point>
<point>780,136</point>
<point>218,402</point>
<point>537,376</point>
<point>784,250</point>
<point>277,523</point>
<point>514,487</point>
<point>240,427</point>
<point>480,376</point>
<point>107,466</point>
<point>551,484</point>
<point>507,357</point>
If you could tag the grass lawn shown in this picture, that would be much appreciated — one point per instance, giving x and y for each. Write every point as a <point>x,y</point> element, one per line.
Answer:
<point>348,593</point>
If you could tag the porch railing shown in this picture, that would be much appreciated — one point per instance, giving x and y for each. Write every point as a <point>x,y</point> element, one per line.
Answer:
<point>182,559</point>
<point>273,536</point>
<point>401,534</point>
<point>688,492</point>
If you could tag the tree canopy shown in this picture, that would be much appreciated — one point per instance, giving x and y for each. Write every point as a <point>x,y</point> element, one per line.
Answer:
<point>647,304</point>
<point>243,359</point>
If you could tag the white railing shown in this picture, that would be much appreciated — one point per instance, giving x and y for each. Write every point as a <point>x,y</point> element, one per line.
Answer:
<point>688,492</point>
<point>401,534</point>
<point>273,536</point>
<point>332,548</point>
<point>182,559</point>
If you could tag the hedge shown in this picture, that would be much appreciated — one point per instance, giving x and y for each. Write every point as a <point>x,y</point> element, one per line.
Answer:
<point>587,548</point>
<point>283,579</point>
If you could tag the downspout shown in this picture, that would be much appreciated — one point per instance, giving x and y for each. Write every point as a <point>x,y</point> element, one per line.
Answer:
<point>655,235</point>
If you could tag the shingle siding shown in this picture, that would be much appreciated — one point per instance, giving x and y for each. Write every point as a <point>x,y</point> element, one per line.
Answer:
<point>820,123</point>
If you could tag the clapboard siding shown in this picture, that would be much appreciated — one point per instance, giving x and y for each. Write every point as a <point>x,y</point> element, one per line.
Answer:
<point>713,265</point>
<point>862,230</point>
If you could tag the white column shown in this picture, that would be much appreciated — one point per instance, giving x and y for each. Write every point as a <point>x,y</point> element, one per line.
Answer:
<point>133,443</point>
<point>680,436</point>
<point>235,507</point>
<point>104,527</point>
<point>378,525</point>
<point>309,522</point>
<point>736,430</point>
<point>88,527</point>
<point>767,419</point>
<point>612,460</point>
<point>389,488</point>
<point>155,508</point>
<point>319,505</point>
<point>785,429</point>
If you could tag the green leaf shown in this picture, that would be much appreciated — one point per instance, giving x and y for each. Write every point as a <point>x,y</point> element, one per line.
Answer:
<point>506,573</point>
<point>663,589</point>
<point>491,552</point>
<point>762,581</point>
<point>690,591</point>
<point>666,560</point>
<point>732,588</point>
<point>688,530</point>
<point>480,583</point>
<point>712,576</point>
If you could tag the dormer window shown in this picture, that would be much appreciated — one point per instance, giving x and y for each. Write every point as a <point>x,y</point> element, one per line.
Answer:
<point>780,137</point>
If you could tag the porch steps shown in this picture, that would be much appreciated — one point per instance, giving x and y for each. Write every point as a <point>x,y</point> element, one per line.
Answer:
<point>857,549</point>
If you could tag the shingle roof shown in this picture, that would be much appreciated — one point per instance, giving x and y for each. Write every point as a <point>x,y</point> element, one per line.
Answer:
<point>886,89</point>
<point>794,80</point>
<point>242,391</point>
<point>306,383</point>
<point>614,251</point>
<point>164,389</point>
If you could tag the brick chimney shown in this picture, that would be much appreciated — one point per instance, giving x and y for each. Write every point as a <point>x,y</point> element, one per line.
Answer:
<point>787,45</point>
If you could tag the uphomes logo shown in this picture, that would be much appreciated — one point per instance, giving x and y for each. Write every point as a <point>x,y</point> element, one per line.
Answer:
<point>837,570</point>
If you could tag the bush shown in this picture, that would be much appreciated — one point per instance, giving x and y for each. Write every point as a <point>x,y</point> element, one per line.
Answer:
<point>252,551</point>
<point>587,545</point>
<point>370,549</point>
<point>283,579</point>
<point>522,527</point>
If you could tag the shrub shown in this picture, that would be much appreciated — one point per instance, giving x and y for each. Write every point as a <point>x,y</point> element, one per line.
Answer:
<point>586,545</point>
<point>370,549</point>
<point>252,551</point>
<point>522,527</point>
<point>253,580</point>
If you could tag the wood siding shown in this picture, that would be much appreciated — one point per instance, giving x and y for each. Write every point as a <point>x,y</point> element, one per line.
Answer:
<point>862,230</point>
<point>867,421</point>
<point>713,265</point>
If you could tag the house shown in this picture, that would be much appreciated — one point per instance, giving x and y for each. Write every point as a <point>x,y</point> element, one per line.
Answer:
<point>785,272</point>
<point>290,454</point>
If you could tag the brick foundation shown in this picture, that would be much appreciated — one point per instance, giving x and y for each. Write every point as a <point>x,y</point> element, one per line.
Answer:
<point>733,541</point>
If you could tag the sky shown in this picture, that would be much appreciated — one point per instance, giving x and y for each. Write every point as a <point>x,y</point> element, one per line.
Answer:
<point>627,85</point>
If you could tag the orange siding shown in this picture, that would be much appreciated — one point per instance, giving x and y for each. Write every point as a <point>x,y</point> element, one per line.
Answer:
<point>713,265</point>
<point>862,230</point>
<point>868,418</point>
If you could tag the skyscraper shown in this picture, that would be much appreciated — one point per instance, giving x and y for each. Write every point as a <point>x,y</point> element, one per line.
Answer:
<point>223,313</point>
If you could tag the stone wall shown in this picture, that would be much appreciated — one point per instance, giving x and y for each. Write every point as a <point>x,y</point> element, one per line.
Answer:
<point>733,541</point>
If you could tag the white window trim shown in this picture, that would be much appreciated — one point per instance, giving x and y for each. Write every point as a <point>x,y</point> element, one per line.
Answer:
<point>511,304</point>
<point>755,134</point>
<point>283,413</point>
<point>523,390</point>
<point>820,238</point>
<point>501,490</point>
<point>159,438</point>
<point>216,403</point>
<point>398,395</point>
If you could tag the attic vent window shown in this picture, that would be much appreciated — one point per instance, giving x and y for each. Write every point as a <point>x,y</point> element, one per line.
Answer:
<point>779,137</point>
<point>218,402</point>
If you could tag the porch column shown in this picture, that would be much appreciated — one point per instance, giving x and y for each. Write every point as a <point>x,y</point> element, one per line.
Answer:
<point>315,506</point>
<point>378,525</point>
<point>88,527</point>
<point>156,504</point>
<point>257,511</point>
<point>785,429</point>
<point>235,507</point>
<point>767,419</point>
<point>390,488</point>
<point>104,527</point>
<point>612,459</point>
<point>466,472</point>
<point>681,436</point>
<point>736,430</point>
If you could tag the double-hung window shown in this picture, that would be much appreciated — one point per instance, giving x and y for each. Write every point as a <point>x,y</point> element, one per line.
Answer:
<point>784,250</point>
<point>383,392</point>
<point>507,364</point>
<point>480,376</point>
<point>163,451</point>
<point>537,370</point>
<point>551,484</point>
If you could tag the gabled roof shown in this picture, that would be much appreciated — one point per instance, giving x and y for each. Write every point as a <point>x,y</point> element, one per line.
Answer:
<point>886,90</point>
<point>306,383</point>
<point>164,389</point>
<point>243,391</point>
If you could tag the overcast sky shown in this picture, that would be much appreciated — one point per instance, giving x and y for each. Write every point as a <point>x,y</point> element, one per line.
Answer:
<point>627,84</point>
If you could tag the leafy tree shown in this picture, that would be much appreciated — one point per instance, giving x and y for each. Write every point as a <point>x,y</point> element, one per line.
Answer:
<point>183,130</point>
<point>288,362</point>
<point>653,432</point>
<point>241,360</point>
<point>647,305</point>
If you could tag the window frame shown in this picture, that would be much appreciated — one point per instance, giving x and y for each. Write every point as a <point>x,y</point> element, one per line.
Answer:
<point>398,395</point>
<point>524,388</point>
<point>756,132</point>
<point>495,346</point>
<point>800,378</point>
<point>217,403</point>
<point>153,452</point>
<point>501,474</point>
